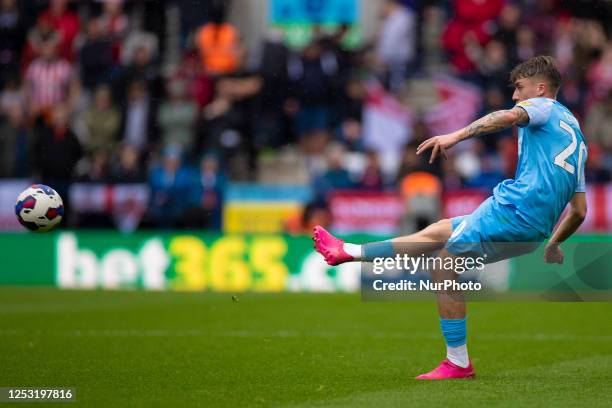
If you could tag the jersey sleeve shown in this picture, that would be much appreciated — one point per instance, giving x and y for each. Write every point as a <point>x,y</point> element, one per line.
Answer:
<point>538,110</point>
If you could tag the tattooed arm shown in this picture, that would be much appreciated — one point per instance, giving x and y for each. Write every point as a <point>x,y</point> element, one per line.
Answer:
<point>493,122</point>
<point>496,121</point>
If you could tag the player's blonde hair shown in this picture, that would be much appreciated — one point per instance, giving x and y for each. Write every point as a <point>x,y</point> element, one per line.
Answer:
<point>543,66</point>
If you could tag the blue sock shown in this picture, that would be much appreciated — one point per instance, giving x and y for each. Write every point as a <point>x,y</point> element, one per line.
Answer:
<point>454,331</point>
<point>383,249</point>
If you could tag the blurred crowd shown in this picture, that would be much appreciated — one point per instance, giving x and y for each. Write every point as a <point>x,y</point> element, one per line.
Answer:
<point>117,91</point>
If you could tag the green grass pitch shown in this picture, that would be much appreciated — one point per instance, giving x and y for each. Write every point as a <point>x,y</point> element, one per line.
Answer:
<point>297,350</point>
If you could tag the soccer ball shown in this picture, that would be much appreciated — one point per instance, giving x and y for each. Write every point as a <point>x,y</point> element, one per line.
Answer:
<point>39,208</point>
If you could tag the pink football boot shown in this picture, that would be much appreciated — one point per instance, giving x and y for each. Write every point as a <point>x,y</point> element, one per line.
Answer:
<point>330,247</point>
<point>447,370</point>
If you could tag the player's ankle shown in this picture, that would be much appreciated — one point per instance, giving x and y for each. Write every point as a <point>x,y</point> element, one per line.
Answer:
<point>353,250</point>
<point>458,356</point>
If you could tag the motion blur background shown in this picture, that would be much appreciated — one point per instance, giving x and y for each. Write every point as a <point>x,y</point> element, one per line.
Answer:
<point>267,117</point>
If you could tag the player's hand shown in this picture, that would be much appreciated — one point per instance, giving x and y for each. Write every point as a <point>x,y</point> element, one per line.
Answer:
<point>553,254</point>
<point>438,144</point>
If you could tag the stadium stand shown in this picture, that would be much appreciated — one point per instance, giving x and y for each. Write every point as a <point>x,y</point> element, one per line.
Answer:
<point>154,95</point>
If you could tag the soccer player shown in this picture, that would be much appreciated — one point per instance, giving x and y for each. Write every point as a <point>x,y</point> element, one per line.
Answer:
<point>549,175</point>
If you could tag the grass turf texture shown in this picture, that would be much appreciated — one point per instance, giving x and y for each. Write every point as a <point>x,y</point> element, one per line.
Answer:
<point>154,349</point>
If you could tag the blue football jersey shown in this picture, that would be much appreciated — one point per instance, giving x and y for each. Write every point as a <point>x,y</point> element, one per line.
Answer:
<point>550,169</point>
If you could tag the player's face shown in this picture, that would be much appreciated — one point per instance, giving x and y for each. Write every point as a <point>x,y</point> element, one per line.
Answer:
<point>527,88</point>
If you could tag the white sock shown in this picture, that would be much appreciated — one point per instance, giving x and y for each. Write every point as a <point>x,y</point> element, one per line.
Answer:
<point>353,250</point>
<point>458,355</point>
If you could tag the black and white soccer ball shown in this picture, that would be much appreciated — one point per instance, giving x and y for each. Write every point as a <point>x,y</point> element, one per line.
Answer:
<point>39,208</point>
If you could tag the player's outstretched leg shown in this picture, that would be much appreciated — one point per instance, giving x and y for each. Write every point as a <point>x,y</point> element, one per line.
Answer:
<point>336,251</point>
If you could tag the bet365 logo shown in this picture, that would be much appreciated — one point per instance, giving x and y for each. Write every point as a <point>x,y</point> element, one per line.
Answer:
<point>181,262</point>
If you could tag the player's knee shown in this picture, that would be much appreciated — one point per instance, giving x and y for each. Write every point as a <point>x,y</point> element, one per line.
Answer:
<point>440,231</point>
<point>580,214</point>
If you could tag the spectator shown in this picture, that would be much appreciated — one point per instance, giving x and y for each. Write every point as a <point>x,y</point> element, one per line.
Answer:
<point>140,49</point>
<point>271,126</point>
<point>372,177</point>
<point>350,134</point>
<point>396,45</point>
<point>194,13</point>
<point>11,95</point>
<point>494,99</point>
<point>96,58</point>
<point>478,11</point>
<point>350,108</point>
<point>313,78</point>
<point>115,25</point>
<point>469,28</point>
<point>598,126</point>
<point>139,64</point>
<point>541,20</point>
<point>451,178</point>
<point>431,57</point>
<point>49,82</point>
<point>138,126</point>
<point>563,45</point>
<point>507,152</point>
<point>43,33</point>
<point>102,121</point>
<point>94,167</point>
<point>507,28</point>
<point>334,42</point>
<point>525,43</point>
<point>126,167</point>
<point>599,76</point>
<point>208,186</point>
<point>421,195</point>
<point>336,177</point>
<point>596,170</point>
<point>573,93</point>
<point>229,118</point>
<point>170,184</point>
<point>492,63</point>
<point>67,24</point>
<point>411,163</point>
<point>177,116</point>
<point>218,43</point>
<point>56,152</point>
<point>15,144</point>
<point>157,25</point>
<point>313,214</point>
<point>589,41</point>
<point>200,87</point>
<point>12,32</point>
